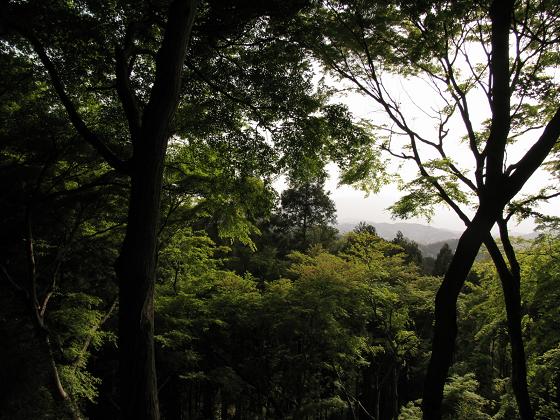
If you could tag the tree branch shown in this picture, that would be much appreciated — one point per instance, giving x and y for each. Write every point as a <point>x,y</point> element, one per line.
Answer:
<point>92,331</point>
<point>126,94</point>
<point>169,62</point>
<point>536,155</point>
<point>500,14</point>
<point>71,110</point>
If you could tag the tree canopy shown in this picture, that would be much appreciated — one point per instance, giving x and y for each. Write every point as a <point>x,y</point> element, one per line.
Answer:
<point>149,269</point>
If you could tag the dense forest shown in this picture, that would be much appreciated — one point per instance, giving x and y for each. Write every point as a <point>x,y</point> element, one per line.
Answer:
<point>149,268</point>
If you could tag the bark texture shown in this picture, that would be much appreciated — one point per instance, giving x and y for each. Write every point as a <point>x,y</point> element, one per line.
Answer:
<point>136,264</point>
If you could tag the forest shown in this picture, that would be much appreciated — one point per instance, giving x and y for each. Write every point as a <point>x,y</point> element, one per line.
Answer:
<point>152,268</point>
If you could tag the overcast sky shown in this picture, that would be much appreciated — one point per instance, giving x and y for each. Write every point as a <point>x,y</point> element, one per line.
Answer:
<point>354,206</point>
<point>417,99</point>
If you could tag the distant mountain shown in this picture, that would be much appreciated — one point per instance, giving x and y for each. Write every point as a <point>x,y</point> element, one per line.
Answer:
<point>430,239</point>
<point>431,250</point>
<point>419,233</point>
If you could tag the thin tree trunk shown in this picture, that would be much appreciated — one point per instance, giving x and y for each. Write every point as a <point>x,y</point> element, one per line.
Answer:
<point>512,298</point>
<point>445,328</point>
<point>395,393</point>
<point>59,391</point>
<point>510,279</point>
<point>377,397</point>
<point>38,310</point>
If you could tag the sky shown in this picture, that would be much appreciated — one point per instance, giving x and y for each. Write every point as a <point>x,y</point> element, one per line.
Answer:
<point>353,205</point>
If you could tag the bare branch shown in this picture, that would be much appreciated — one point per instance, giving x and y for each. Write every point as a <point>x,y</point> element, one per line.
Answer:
<point>531,200</point>
<point>536,155</point>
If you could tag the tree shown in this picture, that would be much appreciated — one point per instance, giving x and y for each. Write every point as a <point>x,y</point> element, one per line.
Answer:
<point>149,133</point>
<point>483,347</point>
<point>127,82</point>
<point>364,227</point>
<point>306,206</point>
<point>134,61</point>
<point>413,253</point>
<point>398,296</point>
<point>443,259</point>
<point>54,190</point>
<point>539,267</point>
<point>432,39</point>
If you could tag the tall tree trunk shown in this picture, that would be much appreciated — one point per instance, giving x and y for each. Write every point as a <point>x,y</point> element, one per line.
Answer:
<point>445,328</point>
<point>377,398</point>
<point>136,264</point>
<point>136,271</point>
<point>510,278</point>
<point>512,298</point>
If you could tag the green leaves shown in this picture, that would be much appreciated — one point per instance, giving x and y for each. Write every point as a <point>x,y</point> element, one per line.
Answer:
<point>423,196</point>
<point>461,399</point>
<point>78,323</point>
<point>306,338</point>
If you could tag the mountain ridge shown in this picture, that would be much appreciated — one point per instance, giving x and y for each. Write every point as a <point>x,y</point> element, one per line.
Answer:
<point>429,238</point>
<point>422,234</point>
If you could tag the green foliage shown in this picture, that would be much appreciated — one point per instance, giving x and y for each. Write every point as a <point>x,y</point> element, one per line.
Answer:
<point>80,383</point>
<point>285,335</point>
<point>412,252</point>
<point>306,207</point>
<point>299,343</point>
<point>72,205</point>
<point>545,375</point>
<point>541,268</point>
<point>204,183</point>
<point>76,320</point>
<point>483,344</point>
<point>442,261</point>
<point>411,411</point>
<point>422,197</point>
<point>367,248</point>
<point>461,400</point>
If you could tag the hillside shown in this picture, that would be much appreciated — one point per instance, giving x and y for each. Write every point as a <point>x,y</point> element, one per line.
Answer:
<point>430,239</point>
<point>422,234</point>
<point>431,250</point>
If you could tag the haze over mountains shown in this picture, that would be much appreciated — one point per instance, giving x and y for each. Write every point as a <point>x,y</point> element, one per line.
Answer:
<point>422,234</point>
<point>430,239</point>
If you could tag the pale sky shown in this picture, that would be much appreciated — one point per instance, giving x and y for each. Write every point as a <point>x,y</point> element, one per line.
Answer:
<point>353,205</point>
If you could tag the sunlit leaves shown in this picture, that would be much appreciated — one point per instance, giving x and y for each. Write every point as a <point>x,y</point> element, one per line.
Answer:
<point>461,399</point>
<point>422,196</point>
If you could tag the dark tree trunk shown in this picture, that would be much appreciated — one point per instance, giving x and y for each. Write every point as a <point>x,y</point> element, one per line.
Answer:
<point>445,328</point>
<point>510,278</point>
<point>498,190</point>
<point>512,298</point>
<point>493,201</point>
<point>136,264</point>
<point>136,271</point>
<point>367,392</point>
<point>395,393</point>
<point>377,398</point>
